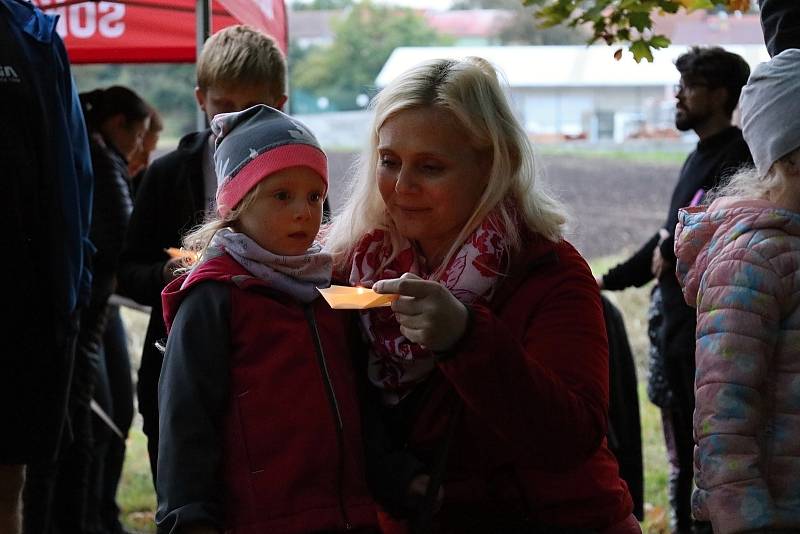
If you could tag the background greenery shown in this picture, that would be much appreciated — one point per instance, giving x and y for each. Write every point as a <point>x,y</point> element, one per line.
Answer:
<point>365,34</point>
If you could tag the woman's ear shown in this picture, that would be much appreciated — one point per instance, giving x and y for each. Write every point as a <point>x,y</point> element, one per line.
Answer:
<point>486,161</point>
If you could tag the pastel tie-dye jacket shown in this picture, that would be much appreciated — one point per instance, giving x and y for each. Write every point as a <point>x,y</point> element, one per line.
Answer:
<point>739,265</point>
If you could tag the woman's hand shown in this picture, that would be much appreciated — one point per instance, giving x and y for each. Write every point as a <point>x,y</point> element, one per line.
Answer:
<point>427,312</point>
<point>418,489</point>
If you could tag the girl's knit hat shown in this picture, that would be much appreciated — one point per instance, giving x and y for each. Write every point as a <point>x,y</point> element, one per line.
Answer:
<point>254,143</point>
<point>770,109</point>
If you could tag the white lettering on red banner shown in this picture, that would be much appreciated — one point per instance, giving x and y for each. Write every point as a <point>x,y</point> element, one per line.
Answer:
<point>88,19</point>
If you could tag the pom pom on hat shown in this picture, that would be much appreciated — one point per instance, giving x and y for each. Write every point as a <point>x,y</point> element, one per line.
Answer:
<point>255,143</point>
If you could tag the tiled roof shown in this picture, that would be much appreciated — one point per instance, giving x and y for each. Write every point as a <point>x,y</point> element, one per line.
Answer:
<point>469,22</point>
<point>710,28</point>
<point>309,24</point>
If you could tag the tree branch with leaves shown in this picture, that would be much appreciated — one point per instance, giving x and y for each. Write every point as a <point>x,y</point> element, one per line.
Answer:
<point>622,21</point>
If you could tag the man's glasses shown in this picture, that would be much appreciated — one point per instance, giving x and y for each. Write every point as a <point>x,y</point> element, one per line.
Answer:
<point>679,88</point>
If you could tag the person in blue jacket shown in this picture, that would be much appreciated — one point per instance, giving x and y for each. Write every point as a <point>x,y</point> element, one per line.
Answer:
<point>47,189</point>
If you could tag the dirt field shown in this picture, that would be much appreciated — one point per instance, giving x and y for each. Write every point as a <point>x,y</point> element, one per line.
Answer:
<point>615,205</point>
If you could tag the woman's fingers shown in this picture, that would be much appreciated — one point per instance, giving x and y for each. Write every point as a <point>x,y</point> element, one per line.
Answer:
<point>407,306</point>
<point>409,285</point>
<point>417,321</point>
<point>413,334</point>
<point>427,312</point>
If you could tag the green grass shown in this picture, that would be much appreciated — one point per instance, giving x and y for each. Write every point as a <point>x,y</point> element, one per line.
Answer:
<point>137,499</point>
<point>135,494</point>
<point>655,467</point>
<point>659,157</point>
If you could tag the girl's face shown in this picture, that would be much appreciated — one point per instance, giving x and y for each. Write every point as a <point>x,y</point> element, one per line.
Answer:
<point>430,177</point>
<point>285,215</point>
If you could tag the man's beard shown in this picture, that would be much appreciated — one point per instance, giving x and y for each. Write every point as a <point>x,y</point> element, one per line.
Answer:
<point>685,120</point>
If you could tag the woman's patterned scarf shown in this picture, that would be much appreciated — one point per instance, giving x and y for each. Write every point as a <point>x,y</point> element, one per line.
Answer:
<point>396,364</point>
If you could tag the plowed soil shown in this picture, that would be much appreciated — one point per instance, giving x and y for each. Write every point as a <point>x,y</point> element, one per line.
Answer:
<point>615,205</point>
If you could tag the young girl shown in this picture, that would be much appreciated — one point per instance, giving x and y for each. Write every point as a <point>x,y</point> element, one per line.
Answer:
<point>259,422</point>
<point>739,263</point>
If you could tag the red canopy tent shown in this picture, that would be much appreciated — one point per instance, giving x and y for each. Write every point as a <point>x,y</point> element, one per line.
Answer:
<point>153,31</point>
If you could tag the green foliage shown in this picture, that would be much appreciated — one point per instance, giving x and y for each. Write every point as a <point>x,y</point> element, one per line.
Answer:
<point>622,21</point>
<point>365,36</point>
<point>522,30</point>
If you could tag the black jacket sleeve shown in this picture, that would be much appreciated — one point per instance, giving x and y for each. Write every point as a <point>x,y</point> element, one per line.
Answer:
<point>192,400</point>
<point>143,258</point>
<point>635,271</point>
<point>780,20</point>
<point>111,208</point>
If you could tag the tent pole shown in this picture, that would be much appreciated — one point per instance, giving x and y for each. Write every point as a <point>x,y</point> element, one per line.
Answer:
<point>203,30</point>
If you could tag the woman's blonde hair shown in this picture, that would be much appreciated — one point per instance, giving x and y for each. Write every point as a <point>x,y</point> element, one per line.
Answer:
<point>746,183</point>
<point>470,90</point>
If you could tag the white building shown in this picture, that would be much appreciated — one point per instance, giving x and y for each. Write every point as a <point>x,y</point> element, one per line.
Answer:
<point>577,91</point>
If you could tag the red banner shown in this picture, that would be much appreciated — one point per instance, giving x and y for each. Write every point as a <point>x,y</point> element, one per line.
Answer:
<point>153,31</point>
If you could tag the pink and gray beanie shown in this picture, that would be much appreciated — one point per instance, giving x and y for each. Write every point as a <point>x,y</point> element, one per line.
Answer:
<point>254,143</point>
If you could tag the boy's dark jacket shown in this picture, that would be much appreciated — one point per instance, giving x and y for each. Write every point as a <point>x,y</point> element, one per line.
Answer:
<point>249,413</point>
<point>169,201</point>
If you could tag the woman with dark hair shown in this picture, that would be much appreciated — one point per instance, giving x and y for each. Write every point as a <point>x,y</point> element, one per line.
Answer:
<point>117,119</point>
<point>138,163</point>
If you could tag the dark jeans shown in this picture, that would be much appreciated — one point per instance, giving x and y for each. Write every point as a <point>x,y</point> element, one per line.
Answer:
<point>113,392</point>
<point>120,395</point>
<point>680,452</point>
<point>70,480</point>
<point>147,395</point>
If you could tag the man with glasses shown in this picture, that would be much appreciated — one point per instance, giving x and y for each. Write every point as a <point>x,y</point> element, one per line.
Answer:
<point>707,94</point>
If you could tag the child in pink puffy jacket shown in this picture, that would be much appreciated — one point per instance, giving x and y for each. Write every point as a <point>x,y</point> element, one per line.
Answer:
<point>739,264</point>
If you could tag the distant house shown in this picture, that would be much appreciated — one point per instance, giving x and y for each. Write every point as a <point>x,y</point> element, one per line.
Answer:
<point>710,28</point>
<point>312,27</point>
<point>561,92</point>
<point>470,27</point>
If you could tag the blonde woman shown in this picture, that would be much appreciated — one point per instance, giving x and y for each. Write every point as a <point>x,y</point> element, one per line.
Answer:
<point>490,371</point>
